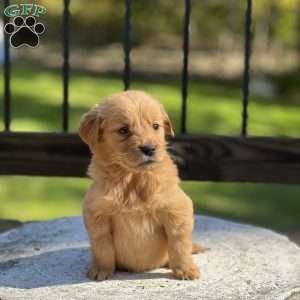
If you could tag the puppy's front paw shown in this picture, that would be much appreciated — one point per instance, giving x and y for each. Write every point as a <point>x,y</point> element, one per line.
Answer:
<point>97,274</point>
<point>189,272</point>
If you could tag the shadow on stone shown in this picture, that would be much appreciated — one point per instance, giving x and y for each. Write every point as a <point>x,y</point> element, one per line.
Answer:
<point>58,267</point>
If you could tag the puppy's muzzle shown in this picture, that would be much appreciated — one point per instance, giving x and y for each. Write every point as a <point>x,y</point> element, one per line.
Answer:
<point>148,150</point>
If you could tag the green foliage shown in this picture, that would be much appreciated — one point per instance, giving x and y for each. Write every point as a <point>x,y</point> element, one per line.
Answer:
<point>213,23</point>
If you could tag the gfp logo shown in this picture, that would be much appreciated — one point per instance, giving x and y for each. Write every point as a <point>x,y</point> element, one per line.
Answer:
<point>24,30</point>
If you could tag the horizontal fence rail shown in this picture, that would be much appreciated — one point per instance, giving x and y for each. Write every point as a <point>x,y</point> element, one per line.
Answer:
<point>213,158</point>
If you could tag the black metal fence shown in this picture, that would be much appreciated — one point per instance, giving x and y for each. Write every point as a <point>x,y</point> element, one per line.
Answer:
<point>216,158</point>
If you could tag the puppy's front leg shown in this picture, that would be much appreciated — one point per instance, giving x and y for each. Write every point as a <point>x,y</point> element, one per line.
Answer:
<point>178,223</point>
<point>103,255</point>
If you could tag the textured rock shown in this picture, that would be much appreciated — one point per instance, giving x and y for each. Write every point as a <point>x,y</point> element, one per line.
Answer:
<point>48,260</point>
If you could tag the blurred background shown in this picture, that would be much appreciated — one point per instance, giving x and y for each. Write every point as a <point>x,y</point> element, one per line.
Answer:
<point>214,103</point>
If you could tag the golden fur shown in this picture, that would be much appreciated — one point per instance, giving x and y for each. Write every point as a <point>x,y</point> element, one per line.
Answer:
<point>136,215</point>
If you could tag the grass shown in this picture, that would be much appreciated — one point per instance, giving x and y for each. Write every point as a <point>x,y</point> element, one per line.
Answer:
<point>212,108</point>
<point>274,206</point>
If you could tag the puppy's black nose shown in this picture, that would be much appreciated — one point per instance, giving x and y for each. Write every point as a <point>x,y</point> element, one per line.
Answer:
<point>148,149</point>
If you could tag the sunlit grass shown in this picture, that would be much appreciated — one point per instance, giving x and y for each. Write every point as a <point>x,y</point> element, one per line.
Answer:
<point>37,198</point>
<point>275,206</point>
<point>213,108</point>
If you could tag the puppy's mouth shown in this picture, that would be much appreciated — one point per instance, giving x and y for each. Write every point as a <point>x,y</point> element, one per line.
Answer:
<point>147,162</point>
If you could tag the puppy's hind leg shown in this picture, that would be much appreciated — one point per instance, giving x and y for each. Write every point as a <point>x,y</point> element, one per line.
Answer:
<point>197,248</point>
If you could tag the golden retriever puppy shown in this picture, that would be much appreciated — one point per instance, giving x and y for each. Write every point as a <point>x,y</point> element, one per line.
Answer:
<point>136,215</point>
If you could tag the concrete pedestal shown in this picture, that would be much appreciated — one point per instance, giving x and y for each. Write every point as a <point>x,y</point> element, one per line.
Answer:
<point>49,260</point>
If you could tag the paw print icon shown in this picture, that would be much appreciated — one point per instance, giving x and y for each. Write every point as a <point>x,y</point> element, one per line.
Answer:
<point>24,32</point>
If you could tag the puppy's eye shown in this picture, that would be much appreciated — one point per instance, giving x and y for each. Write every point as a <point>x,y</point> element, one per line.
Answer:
<point>155,126</point>
<point>124,130</point>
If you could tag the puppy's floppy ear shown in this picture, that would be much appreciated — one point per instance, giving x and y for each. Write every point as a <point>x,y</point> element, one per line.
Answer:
<point>167,123</point>
<point>91,126</point>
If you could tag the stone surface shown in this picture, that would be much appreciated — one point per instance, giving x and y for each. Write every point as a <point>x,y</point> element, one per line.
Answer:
<point>48,260</point>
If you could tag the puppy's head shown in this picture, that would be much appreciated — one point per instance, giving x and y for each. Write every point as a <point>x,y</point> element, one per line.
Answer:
<point>128,129</point>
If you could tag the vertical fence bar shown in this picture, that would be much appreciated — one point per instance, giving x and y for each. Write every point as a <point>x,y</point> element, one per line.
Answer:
<point>127,44</point>
<point>246,77</point>
<point>66,65</point>
<point>185,74</point>
<point>7,75</point>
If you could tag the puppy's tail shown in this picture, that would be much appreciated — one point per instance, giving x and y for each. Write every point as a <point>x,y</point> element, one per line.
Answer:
<point>197,248</point>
